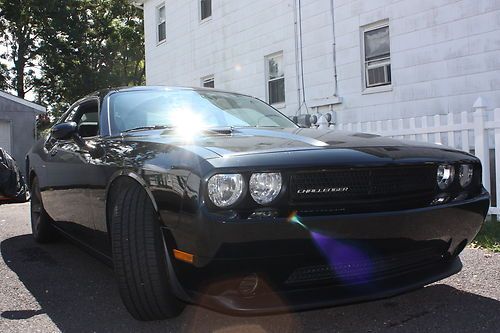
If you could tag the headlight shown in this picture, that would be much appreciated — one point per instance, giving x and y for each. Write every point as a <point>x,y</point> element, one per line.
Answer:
<point>445,175</point>
<point>465,175</point>
<point>265,187</point>
<point>225,189</point>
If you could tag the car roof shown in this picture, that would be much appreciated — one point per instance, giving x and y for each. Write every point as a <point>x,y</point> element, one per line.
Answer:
<point>103,92</point>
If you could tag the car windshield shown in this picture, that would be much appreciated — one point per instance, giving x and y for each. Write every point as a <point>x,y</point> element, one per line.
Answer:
<point>183,108</point>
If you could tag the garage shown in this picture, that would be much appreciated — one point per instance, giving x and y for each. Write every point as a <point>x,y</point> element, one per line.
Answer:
<point>18,125</point>
<point>5,135</point>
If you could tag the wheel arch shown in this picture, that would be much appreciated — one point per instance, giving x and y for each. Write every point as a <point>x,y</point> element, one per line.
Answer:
<point>114,183</point>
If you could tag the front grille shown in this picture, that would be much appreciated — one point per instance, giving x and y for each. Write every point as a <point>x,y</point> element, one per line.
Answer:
<point>367,270</point>
<point>364,185</point>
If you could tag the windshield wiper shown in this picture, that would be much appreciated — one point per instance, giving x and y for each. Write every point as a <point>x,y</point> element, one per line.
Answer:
<point>145,128</point>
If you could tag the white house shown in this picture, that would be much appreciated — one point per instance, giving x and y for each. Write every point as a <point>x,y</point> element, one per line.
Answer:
<point>365,59</point>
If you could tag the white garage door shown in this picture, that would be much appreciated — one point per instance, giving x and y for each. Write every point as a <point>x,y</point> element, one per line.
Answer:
<point>5,135</point>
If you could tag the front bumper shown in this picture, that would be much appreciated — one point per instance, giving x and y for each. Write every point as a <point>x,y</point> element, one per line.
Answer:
<point>321,260</point>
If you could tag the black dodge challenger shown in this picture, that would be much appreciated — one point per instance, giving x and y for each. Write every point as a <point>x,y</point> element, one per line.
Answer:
<point>215,198</point>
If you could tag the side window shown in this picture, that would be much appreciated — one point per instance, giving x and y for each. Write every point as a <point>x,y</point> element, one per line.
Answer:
<point>161,24</point>
<point>205,9</point>
<point>377,55</point>
<point>208,82</point>
<point>71,113</point>
<point>275,79</point>
<point>87,119</point>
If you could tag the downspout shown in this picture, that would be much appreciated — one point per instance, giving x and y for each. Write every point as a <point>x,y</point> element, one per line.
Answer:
<point>297,64</point>
<point>299,52</point>
<point>334,45</point>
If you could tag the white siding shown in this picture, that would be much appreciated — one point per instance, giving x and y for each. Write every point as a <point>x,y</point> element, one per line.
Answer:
<point>444,53</point>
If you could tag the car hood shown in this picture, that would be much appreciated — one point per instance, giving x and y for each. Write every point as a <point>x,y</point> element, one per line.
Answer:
<point>245,141</point>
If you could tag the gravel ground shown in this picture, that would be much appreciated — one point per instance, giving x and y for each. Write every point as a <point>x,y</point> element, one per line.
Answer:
<point>46,288</point>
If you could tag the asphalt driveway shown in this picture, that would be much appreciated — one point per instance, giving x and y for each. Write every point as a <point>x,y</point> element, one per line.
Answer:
<point>45,288</point>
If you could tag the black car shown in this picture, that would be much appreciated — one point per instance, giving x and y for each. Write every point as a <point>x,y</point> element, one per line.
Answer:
<point>13,189</point>
<point>215,198</point>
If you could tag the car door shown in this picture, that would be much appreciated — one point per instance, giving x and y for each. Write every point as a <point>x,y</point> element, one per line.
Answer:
<point>68,167</point>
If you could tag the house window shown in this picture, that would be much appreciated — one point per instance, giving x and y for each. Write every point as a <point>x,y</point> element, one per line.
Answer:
<point>377,56</point>
<point>208,82</point>
<point>205,9</point>
<point>275,79</point>
<point>161,24</point>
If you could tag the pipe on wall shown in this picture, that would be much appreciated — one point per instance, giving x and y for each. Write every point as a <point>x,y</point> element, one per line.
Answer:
<point>334,46</point>
<point>297,65</point>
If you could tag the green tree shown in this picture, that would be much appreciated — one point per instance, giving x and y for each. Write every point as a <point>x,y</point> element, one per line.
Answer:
<point>4,77</point>
<point>89,45</point>
<point>20,24</point>
<point>77,46</point>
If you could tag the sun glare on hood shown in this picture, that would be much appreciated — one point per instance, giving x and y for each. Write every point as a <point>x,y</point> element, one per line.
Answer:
<point>186,123</point>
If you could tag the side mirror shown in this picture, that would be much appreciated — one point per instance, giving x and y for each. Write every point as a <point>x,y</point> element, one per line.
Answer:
<point>64,131</point>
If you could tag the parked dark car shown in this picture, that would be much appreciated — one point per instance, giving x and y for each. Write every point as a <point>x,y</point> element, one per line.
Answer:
<point>13,189</point>
<point>215,198</point>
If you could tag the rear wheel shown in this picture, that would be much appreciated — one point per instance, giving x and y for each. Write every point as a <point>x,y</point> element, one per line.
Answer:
<point>139,255</point>
<point>41,224</point>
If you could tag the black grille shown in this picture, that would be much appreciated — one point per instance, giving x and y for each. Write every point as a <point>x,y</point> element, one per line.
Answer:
<point>375,185</point>
<point>368,270</point>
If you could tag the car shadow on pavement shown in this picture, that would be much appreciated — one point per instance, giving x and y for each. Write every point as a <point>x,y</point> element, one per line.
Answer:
<point>78,293</point>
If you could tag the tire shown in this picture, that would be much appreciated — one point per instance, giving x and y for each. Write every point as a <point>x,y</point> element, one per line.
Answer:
<point>139,255</point>
<point>41,224</point>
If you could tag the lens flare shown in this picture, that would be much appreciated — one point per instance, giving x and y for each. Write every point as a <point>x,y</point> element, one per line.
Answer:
<point>349,263</point>
<point>187,123</point>
<point>294,218</point>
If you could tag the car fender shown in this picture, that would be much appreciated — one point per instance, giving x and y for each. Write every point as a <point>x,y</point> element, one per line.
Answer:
<point>133,175</point>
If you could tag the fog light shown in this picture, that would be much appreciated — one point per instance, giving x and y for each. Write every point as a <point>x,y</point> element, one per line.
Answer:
<point>445,175</point>
<point>248,285</point>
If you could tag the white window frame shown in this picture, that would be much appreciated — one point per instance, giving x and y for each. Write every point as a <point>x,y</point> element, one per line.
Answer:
<point>205,79</point>
<point>365,64</point>
<point>158,23</point>
<point>208,18</point>
<point>277,105</point>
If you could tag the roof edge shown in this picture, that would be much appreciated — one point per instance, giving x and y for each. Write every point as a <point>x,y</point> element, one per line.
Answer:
<point>36,107</point>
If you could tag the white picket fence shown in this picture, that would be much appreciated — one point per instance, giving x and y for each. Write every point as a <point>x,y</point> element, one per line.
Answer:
<point>477,132</point>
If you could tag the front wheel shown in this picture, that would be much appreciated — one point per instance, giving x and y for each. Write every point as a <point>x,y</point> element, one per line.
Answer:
<point>41,224</point>
<point>139,256</point>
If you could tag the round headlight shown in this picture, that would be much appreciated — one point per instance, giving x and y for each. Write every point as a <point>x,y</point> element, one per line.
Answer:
<point>465,175</point>
<point>225,189</point>
<point>265,187</point>
<point>445,175</point>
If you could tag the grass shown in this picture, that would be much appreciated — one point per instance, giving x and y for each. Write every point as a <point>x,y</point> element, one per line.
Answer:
<point>489,236</point>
